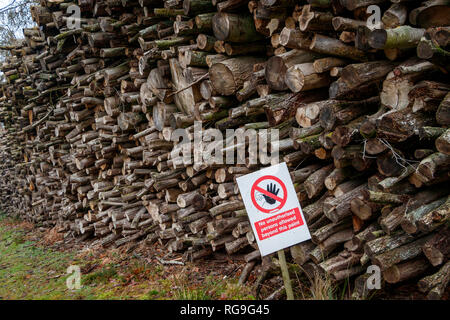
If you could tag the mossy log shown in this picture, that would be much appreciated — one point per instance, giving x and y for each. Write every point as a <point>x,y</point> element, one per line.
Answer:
<point>234,28</point>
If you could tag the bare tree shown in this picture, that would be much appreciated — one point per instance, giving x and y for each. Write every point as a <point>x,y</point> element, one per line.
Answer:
<point>13,18</point>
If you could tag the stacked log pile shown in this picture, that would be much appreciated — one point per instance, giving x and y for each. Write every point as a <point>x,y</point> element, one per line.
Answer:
<point>92,105</point>
<point>15,195</point>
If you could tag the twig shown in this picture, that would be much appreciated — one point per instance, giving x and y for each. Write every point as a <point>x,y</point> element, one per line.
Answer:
<point>190,85</point>
<point>397,157</point>
<point>28,128</point>
<point>162,261</point>
<point>277,294</point>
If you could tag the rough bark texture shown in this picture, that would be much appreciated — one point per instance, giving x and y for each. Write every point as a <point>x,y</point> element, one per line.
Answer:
<point>89,143</point>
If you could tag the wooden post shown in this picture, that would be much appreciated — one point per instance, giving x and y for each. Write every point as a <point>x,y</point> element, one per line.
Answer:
<point>285,273</point>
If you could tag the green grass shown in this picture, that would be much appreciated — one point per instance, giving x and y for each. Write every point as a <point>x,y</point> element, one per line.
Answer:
<point>28,270</point>
<point>101,276</point>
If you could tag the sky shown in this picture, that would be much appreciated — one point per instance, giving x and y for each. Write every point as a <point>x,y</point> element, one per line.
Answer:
<point>4,3</point>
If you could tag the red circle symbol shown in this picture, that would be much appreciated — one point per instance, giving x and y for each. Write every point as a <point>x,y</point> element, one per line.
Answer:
<point>255,188</point>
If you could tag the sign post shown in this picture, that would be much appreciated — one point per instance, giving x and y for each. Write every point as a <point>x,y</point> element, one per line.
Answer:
<point>274,212</point>
<point>285,274</point>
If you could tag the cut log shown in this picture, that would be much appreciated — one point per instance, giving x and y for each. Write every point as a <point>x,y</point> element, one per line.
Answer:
<point>229,76</point>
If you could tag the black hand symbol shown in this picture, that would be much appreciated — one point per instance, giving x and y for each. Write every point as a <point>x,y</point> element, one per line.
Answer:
<point>272,188</point>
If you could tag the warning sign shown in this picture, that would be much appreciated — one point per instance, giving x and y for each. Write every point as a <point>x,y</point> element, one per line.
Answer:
<point>270,196</point>
<point>273,208</point>
<point>279,223</point>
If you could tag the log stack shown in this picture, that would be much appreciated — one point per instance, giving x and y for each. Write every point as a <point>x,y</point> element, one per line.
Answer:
<point>92,104</point>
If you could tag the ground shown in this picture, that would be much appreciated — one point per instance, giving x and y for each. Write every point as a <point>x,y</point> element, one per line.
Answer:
<point>33,265</point>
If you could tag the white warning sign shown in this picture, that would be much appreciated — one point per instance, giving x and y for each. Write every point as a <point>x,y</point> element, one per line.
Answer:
<point>273,209</point>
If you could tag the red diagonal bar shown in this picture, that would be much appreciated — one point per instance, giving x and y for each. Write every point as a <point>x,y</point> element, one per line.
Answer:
<point>267,193</point>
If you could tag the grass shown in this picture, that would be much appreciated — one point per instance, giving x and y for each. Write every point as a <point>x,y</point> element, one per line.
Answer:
<point>213,289</point>
<point>30,270</point>
<point>320,287</point>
